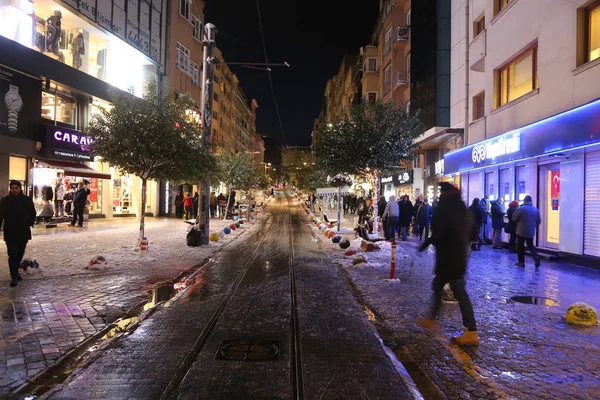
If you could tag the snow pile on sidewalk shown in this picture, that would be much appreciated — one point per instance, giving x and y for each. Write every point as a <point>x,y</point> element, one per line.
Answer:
<point>73,251</point>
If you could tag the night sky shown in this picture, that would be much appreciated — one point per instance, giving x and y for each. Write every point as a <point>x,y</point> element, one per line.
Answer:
<point>312,36</point>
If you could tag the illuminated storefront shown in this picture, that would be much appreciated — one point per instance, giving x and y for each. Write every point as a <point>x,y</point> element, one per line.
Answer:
<point>557,162</point>
<point>58,60</point>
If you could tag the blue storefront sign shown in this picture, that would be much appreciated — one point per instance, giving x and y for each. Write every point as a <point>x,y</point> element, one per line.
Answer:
<point>576,128</point>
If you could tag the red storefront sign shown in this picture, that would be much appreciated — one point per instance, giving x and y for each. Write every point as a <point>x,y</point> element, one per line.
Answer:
<point>93,190</point>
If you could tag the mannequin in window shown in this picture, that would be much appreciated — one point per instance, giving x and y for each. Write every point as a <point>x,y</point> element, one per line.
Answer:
<point>77,46</point>
<point>53,31</point>
<point>100,63</point>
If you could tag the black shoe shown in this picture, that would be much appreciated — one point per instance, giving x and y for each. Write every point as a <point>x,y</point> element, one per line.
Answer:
<point>537,262</point>
<point>520,264</point>
<point>19,278</point>
<point>13,283</point>
<point>72,224</point>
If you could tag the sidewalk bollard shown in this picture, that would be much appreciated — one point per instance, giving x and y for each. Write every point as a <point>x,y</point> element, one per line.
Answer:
<point>143,247</point>
<point>393,265</point>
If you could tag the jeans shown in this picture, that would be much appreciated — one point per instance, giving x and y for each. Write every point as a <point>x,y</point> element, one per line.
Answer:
<point>404,231</point>
<point>59,208</point>
<point>497,234</point>
<point>481,234</point>
<point>188,212</point>
<point>77,213</point>
<point>423,227</point>
<point>392,227</point>
<point>531,247</point>
<point>458,287</point>
<point>15,250</point>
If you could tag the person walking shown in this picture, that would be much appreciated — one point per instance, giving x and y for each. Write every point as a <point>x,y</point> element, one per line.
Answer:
<point>222,203</point>
<point>416,207</point>
<point>362,210</point>
<point>59,202</point>
<point>423,219</point>
<point>451,233</point>
<point>497,223</point>
<point>485,204</point>
<point>406,216</point>
<point>188,205</point>
<point>79,201</point>
<point>381,205</point>
<point>477,215</point>
<point>18,214</point>
<point>213,204</point>
<point>179,205</point>
<point>527,217</point>
<point>511,227</point>
<point>195,204</point>
<point>391,215</point>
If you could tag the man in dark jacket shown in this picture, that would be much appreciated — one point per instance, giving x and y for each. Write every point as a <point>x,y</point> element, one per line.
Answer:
<point>451,231</point>
<point>381,205</point>
<point>477,215</point>
<point>79,202</point>
<point>497,222</point>
<point>424,218</point>
<point>528,219</point>
<point>18,214</point>
<point>406,216</point>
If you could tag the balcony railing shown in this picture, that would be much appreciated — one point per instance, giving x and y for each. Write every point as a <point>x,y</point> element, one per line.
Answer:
<point>401,79</point>
<point>402,33</point>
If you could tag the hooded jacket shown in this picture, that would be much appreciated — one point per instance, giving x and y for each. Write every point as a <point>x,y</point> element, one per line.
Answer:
<point>18,214</point>
<point>451,228</point>
<point>497,215</point>
<point>391,209</point>
<point>512,225</point>
<point>406,212</point>
<point>528,219</point>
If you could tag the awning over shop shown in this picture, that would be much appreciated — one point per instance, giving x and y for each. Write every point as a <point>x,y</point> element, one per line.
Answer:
<point>74,169</point>
<point>333,191</point>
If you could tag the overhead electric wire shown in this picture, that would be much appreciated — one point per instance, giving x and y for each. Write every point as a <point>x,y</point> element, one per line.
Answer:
<point>262,33</point>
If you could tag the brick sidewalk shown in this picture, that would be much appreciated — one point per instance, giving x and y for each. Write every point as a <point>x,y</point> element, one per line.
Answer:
<point>56,308</point>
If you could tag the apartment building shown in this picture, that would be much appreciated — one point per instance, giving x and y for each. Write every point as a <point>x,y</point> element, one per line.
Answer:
<point>533,104</point>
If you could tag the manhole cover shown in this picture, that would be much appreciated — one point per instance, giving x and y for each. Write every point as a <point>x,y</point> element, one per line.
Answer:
<point>248,350</point>
<point>535,300</point>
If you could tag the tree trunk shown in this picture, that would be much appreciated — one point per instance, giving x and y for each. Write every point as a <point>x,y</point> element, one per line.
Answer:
<point>375,206</point>
<point>339,221</point>
<point>143,210</point>
<point>227,206</point>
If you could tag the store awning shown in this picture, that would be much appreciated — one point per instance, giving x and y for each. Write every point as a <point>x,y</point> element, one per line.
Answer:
<point>434,138</point>
<point>333,191</point>
<point>74,169</point>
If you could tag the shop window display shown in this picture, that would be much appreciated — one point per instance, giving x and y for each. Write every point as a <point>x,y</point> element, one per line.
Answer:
<point>45,26</point>
<point>60,108</point>
<point>122,184</point>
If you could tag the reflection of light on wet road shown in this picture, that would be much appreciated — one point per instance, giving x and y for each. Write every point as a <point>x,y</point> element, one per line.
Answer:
<point>551,281</point>
<point>474,371</point>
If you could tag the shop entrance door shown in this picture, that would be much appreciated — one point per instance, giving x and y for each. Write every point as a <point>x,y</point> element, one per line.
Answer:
<point>549,205</point>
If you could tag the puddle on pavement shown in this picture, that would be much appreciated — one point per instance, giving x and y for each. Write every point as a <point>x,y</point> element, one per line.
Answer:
<point>535,300</point>
<point>248,350</point>
<point>163,293</point>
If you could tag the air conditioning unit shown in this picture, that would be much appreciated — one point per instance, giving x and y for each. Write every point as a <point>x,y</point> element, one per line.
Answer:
<point>402,33</point>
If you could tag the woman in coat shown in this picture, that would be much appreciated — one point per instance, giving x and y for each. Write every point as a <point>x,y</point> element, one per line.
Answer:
<point>511,228</point>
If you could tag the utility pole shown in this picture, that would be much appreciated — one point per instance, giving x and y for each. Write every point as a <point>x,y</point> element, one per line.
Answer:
<point>208,74</point>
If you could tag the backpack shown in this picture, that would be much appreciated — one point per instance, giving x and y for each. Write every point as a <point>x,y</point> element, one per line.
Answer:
<point>194,237</point>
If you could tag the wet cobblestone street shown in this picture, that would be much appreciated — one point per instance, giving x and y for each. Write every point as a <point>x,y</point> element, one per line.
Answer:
<point>526,351</point>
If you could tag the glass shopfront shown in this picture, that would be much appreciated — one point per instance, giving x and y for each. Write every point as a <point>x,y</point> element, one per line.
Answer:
<point>59,108</point>
<point>57,32</point>
<point>122,190</point>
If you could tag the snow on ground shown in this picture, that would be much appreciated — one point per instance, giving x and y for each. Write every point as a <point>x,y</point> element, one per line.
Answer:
<point>68,250</point>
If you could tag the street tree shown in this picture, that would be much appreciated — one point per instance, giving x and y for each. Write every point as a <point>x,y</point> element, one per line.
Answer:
<point>237,171</point>
<point>149,137</point>
<point>371,138</point>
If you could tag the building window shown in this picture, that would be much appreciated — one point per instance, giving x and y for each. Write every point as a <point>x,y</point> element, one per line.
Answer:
<point>370,65</point>
<point>216,78</point>
<point>388,41</point>
<point>408,17</point>
<point>215,97</point>
<point>183,58</point>
<point>479,106</point>
<point>197,28</point>
<point>479,26</point>
<point>593,32</point>
<point>408,64</point>
<point>501,4</point>
<point>195,73</point>
<point>518,77</point>
<point>215,116</point>
<point>387,79</point>
<point>59,108</point>
<point>184,8</point>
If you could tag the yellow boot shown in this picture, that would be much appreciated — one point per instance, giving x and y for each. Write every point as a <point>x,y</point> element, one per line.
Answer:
<point>468,337</point>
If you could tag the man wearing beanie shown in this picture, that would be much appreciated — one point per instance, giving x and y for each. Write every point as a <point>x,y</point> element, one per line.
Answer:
<point>18,214</point>
<point>451,228</point>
